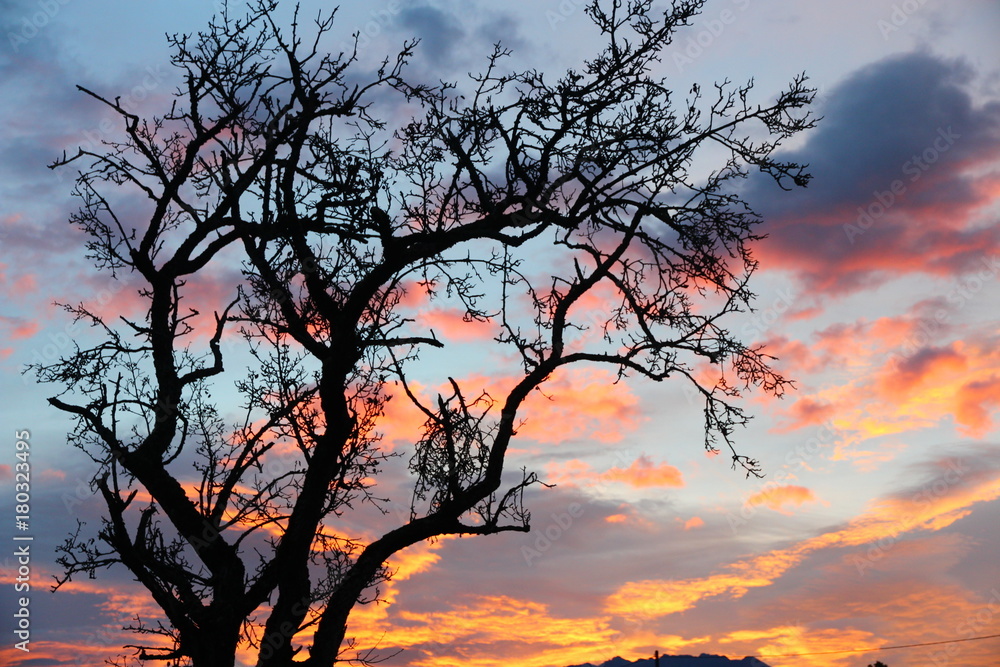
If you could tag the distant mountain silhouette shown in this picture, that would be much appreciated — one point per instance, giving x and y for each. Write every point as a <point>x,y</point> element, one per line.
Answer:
<point>703,660</point>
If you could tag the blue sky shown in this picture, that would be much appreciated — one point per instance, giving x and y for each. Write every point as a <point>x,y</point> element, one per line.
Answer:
<point>878,291</point>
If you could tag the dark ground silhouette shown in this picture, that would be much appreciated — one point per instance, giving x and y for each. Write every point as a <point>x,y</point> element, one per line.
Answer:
<point>703,660</point>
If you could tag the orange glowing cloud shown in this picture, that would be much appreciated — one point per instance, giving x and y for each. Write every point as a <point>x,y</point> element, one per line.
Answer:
<point>778,497</point>
<point>402,421</point>
<point>955,383</point>
<point>933,508</point>
<point>650,598</point>
<point>941,383</point>
<point>477,627</point>
<point>857,341</point>
<point>570,473</point>
<point>929,367</point>
<point>469,630</point>
<point>829,261</point>
<point>581,403</point>
<point>592,311</point>
<point>371,624</point>
<point>417,558</point>
<point>120,602</point>
<point>786,640</point>
<point>577,403</point>
<point>99,647</point>
<point>628,515</point>
<point>643,473</point>
<point>473,627</point>
<point>897,611</point>
<point>694,522</point>
<point>974,404</point>
<point>585,403</point>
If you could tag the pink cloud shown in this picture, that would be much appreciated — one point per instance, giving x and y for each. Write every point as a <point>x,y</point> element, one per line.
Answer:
<point>793,356</point>
<point>974,404</point>
<point>25,330</point>
<point>414,294</point>
<point>694,522</point>
<point>52,475</point>
<point>452,323</point>
<point>15,284</point>
<point>25,284</point>
<point>807,412</point>
<point>19,328</point>
<point>896,246</point>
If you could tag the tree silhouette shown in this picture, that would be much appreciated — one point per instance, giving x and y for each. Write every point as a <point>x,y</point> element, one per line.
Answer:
<point>283,160</point>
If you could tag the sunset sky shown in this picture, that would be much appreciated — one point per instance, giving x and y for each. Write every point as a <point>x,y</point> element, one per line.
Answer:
<point>877,522</point>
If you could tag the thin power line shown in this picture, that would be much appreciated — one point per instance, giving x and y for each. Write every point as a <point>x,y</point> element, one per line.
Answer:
<point>880,648</point>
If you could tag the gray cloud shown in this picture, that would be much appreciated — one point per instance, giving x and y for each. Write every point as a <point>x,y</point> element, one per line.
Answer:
<point>440,33</point>
<point>892,190</point>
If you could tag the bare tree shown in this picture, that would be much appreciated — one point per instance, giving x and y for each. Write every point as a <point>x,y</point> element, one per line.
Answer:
<point>274,157</point>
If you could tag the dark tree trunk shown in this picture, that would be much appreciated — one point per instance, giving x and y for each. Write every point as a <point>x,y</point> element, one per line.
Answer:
<point>216,644</point>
